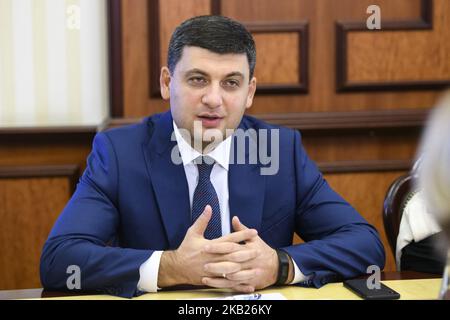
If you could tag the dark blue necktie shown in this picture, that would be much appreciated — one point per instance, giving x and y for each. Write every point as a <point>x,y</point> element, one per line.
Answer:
<point>205,194</point>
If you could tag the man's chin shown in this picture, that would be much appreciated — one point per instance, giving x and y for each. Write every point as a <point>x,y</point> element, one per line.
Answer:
<point>209,135</point>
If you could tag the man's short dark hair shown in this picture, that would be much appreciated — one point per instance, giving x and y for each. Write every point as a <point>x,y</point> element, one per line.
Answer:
<point>218,34</point>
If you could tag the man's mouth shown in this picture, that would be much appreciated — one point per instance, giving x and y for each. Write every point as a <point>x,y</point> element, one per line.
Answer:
<point>210,120</point>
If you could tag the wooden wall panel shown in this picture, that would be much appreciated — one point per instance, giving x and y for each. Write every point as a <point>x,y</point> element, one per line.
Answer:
<point>45,149</point>
<point>404,55</point>
<point>39,169</point>
<point>322,95</point>
<point>294,10</point>
<point>171,14</point>
<point>366,146</point>
<point>278,56</point>
<point>283,51</point>
<point>31,198</point>
<point>321,17</point>
<point>137,71</point>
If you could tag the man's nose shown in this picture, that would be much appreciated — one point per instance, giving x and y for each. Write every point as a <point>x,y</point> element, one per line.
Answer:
<point>213,96</point>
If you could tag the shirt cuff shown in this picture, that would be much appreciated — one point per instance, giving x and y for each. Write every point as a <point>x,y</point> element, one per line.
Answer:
<point>298,275</point>
<point>148,273</point>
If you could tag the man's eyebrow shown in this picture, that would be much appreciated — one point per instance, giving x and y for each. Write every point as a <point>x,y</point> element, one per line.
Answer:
<point>235,74</point>
<point>195,70</point>
<point>199,71</point>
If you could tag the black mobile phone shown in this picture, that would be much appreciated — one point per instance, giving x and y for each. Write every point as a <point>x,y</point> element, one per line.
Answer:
<point>359,286</point>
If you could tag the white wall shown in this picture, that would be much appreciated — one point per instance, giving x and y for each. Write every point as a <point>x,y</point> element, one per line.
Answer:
<point>53,62</point>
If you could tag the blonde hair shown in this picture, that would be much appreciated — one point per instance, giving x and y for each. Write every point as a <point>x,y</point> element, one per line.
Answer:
<point>434,155</point>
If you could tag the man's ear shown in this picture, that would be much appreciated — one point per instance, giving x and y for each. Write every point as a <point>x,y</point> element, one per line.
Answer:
<point>251,93</point>
<point>164,82</point>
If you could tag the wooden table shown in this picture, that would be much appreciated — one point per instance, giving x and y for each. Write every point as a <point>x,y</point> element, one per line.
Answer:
<point>410,285</point>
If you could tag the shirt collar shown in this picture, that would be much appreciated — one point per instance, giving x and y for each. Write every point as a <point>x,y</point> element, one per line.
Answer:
<point>220,154</point>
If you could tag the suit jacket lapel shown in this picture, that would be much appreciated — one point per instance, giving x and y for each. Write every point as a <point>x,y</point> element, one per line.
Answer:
<point>168,180</point>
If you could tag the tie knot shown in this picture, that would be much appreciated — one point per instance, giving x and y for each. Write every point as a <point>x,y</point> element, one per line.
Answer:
<point>204,166</point>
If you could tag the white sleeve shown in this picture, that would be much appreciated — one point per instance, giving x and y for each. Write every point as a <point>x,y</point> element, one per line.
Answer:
<point>148,273</point>
<point>298,275</point>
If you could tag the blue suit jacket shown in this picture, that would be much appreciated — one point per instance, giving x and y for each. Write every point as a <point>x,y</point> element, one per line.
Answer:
<point>132,199</point>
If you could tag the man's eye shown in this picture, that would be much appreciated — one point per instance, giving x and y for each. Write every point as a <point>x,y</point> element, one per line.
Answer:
<point>197,80</point>
<point>232,83</point>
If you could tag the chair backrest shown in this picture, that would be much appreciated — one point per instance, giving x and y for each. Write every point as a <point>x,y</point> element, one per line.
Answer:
<point>397,196</point>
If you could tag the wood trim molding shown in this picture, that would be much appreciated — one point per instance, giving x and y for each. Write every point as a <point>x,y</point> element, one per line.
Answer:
<point>343,28</point>
<point>72,171</point>
<point>46,135</point>
<point>115,58</point>
<point>325,121</point>
<point>300,27</point>
<point>331,121</point>
<point>427,12</point>
<point>216,7</point>
<point>119,122</point>
<point>155,53</point>
<point>72,130</point>
<point>364,166</point>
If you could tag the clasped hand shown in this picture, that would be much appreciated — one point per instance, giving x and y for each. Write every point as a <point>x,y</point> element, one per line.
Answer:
<point>241,260</point>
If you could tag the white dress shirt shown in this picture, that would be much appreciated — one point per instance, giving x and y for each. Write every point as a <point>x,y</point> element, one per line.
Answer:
<point>148,271</point>
<point>417,223</point>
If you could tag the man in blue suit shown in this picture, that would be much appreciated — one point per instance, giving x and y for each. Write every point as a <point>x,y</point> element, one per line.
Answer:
<point>179,199</point>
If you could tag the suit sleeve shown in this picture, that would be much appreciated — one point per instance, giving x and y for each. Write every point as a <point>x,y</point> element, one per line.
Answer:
<point>88,223</point>
<point>339,243</point>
